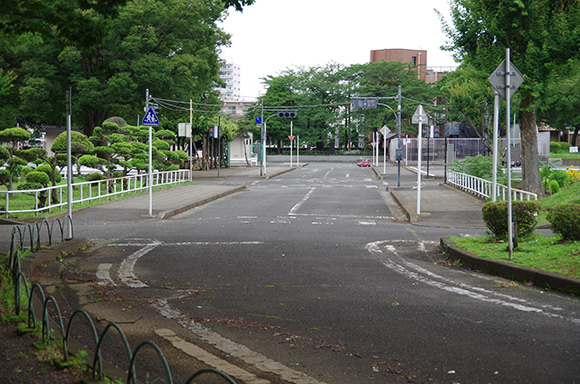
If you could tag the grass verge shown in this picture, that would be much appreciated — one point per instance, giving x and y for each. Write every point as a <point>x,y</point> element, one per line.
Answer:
<point>549,254</point>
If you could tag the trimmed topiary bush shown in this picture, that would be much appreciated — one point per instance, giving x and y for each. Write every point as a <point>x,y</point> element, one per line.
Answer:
<point>565,220</point>
<point>95,176</point>
<point>553,186</point>
<point>524,215</point>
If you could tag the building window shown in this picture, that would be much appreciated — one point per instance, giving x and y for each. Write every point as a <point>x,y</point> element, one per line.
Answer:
<point>414,61</point>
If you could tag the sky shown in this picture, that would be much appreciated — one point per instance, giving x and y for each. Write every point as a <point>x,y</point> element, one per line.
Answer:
<point>273,35</point>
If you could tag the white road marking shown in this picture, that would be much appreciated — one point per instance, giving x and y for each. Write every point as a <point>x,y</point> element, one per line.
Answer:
<point>299,204</point>
<point>209,359</point>
<point>415,272</point>
<point>232,348</point>
<point>103,273</point>
<point>126,268</point>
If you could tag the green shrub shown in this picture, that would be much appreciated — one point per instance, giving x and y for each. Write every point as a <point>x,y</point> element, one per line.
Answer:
<point>555,147</point>
<point>524,215</point>
<point>561,176</point>
<point>565,220</point>
<point>36,177</point>
<point>46,168</point>
<point>553,186</point>
<point>94,176</point>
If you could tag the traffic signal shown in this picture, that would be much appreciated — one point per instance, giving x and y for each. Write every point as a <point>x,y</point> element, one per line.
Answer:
<point>155,107</point>
<point>290,113</point>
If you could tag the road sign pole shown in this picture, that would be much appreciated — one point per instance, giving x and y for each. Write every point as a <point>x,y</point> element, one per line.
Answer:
<point>419,154</point>
<point>496,106</point>
<point>291,141</point>
<point>150,157</point>
<point>509,157</point>
<point>399,137</point>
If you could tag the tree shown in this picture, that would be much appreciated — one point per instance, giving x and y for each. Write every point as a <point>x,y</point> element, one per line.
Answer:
<point>382,79</point>
<point>470,100</point>
<point>170,47</point>
<point>14,161</point>
<point>543,35</point>
<point>80,145</point>
<point>562,102</point>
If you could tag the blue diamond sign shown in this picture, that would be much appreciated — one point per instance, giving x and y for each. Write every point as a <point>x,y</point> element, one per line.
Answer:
<point>150,119</point>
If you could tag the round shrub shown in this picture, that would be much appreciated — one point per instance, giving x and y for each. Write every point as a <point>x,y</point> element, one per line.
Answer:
<point>36,177</point>
<point>95,176</point>
<point>553,187</point>
<point>565,221</point>
<point>46,168</point>
<point>524,215</point>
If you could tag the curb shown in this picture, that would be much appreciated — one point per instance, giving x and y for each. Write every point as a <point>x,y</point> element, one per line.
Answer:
<point>168,214</point>
<point>46,255</point>
<point>510,271</point>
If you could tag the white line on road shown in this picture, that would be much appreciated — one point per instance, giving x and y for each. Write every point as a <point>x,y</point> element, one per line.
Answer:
<point>103,273</point>
<point>209,359</point>
<point>232,348</point>
<point>427,277</point>
<point>126,268</point>
<point>299,204</point>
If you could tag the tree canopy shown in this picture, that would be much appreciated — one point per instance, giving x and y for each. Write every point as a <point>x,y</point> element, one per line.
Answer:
<point>543,36</point>
<point>110,52</point>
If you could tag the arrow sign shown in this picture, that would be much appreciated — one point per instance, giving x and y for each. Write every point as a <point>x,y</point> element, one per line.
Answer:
<point>150,119</point>
<point>497,79</point>
<point>419,116</point>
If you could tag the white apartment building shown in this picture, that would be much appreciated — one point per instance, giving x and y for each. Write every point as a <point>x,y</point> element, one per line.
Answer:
<point>231,75</point>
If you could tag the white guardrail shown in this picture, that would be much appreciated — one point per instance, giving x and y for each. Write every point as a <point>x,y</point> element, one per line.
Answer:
<point>29,200</point>
<point>483,188</point>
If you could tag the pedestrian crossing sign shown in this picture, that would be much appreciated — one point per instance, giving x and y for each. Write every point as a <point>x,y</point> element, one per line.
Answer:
<point>150,119</point>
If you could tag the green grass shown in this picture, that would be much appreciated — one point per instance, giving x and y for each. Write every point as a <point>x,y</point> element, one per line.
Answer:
<point>564,155</point>
<point>549,254</point>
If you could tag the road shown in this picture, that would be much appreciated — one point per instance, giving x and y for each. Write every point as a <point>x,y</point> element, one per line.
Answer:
<point>310,278</point>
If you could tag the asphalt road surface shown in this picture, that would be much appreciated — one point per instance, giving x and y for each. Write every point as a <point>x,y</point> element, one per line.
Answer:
<point>310,278</point>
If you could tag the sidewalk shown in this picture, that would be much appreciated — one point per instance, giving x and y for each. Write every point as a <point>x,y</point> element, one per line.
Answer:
<point>440,206</point>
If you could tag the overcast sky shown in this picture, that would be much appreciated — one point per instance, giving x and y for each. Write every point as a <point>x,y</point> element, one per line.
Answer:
<point>273,35</point>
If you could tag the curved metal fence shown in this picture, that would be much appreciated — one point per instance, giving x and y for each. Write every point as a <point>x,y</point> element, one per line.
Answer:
<point>29,237</point>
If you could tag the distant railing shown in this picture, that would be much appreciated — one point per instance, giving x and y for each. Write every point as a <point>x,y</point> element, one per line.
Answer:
<point>47,199</point>
<point>484,188</point>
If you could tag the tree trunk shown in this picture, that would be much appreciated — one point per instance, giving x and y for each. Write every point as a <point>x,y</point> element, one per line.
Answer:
<point>531,178</point>
<point>574,141</point>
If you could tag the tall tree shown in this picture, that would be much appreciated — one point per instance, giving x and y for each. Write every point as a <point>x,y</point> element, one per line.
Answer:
<point>168,46</point>
<point>543,35</point>
<point>382,79</point>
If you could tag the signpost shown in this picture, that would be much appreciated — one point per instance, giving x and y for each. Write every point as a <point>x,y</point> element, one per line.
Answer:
<point>419,117</point>
<point>150,120</point>
<point>506,79</point>
<point>385,131</point>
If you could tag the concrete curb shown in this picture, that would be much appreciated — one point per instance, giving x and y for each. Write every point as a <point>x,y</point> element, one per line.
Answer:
<point>410,218</point>
<point>510,271</point>
<point>47,255</point>
<point>167,214</point>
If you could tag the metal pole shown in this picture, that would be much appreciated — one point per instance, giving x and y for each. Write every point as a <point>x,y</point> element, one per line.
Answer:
<point>69,191</point>
<point>219,136</point>
<point>297,151</point>
<point>384,154</point>
<point>262,138</point>
<point>419,136</point>
<point>509,166</point>
<point>150,157</point>
<point>190,140</point>
<point>399,136</point>
<point>291,141</point>
<point>496,105</point>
